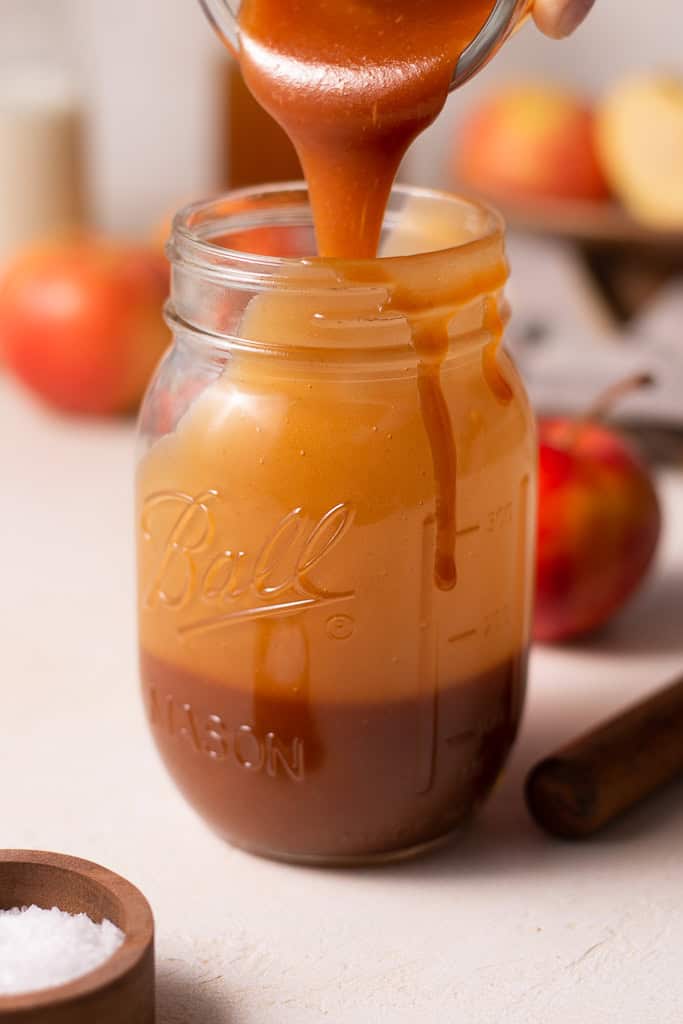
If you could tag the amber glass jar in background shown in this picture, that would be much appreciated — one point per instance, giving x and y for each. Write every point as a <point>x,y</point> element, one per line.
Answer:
<point>255,148</point>
<point>315,691</point>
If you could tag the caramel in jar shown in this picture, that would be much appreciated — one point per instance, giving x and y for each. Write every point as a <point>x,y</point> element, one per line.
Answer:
<point>321,684</point>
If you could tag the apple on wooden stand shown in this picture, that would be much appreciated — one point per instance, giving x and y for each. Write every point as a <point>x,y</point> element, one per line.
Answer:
<point>530,142</point>
<point>599,521</point>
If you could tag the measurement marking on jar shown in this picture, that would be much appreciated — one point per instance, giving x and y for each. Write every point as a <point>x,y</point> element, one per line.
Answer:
<point>489,723</point>
<point>522,608</point>
<point>428,666</point>
<point>497,620</point>
<point>466,530</point>
<point>460,738</point>
<point>499,518</point>
<point>467,634</point>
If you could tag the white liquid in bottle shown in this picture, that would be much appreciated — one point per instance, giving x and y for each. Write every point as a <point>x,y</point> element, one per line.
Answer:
<point>41,188</point>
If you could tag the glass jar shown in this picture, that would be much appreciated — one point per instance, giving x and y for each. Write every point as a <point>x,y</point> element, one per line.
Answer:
<point>319,683</point>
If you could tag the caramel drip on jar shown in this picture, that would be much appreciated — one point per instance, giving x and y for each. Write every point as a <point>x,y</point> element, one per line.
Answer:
<point>430,340</point>
<point>295,664</point>
<point>431,346</point>
<point>353,83</point>
<point>494,324</point>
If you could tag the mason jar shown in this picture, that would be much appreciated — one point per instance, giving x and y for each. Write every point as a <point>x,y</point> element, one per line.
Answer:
<point>335,513</point>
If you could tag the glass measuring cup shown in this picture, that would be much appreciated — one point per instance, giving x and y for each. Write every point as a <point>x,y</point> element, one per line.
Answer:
<point>505,18</point>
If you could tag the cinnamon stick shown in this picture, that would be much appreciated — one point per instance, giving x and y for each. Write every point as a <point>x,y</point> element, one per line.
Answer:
<point>588,783</point>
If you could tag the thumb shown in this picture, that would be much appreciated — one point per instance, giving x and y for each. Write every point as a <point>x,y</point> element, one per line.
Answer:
<point>559,18</point>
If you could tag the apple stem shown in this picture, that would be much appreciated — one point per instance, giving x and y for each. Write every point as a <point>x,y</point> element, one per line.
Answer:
<point>602,406</point>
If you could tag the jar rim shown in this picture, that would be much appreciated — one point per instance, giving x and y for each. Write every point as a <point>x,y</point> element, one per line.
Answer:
<point>252,207</point>
<point>440,252</point>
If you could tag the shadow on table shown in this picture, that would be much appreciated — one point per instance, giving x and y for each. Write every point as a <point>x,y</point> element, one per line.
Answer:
<point>504,841</point>
<point>181,999</point>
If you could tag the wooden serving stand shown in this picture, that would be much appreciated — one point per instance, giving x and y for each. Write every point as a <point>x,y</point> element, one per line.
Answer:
<point>624,263</point>
<point>627,262</point>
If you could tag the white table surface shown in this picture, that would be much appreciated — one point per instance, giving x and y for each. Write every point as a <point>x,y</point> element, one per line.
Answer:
<point>506,926</point>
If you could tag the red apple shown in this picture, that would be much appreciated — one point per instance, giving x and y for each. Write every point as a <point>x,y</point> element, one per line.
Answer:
<point>81,322</point>
<point>531,142</point>
<point>599,523</point>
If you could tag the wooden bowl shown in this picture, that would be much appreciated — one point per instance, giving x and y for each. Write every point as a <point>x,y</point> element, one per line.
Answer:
<point>121,991</point>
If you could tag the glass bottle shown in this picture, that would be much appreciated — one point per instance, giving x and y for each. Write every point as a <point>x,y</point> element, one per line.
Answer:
<point>41,123</point>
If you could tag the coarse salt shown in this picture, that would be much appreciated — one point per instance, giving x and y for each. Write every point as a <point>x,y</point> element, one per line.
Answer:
<point>42,948</point>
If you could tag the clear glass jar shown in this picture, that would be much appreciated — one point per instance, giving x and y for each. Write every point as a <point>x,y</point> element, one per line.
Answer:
<point>318,686</point>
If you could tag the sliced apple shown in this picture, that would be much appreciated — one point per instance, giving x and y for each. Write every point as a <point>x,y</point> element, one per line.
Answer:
<point>640,139</point>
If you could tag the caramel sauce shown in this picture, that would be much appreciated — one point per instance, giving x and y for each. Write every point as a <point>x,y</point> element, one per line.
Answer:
<point>429,314</point>
<point>353,84</point>
<point>337,783</point>
<point>494,324</point>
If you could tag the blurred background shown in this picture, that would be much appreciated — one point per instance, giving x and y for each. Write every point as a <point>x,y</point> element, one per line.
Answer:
<point>113,115</point>
<point>149,74</point>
